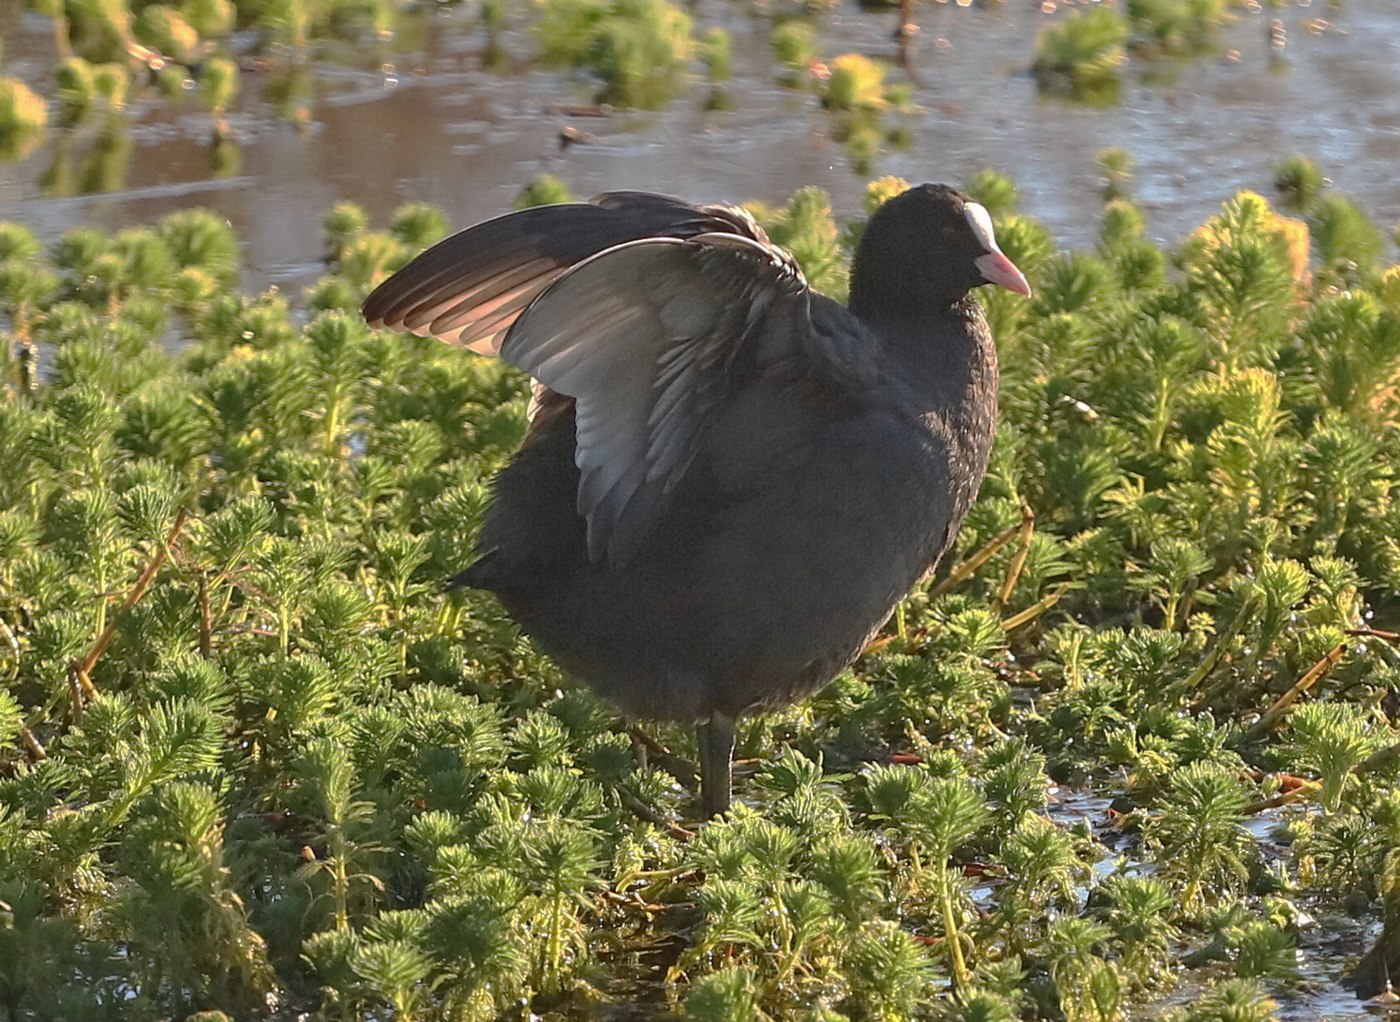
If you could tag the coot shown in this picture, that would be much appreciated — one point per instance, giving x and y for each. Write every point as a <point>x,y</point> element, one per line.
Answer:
<point>729,479</point>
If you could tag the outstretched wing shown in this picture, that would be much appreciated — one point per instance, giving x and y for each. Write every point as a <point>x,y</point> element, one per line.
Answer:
<point>643,309</point>
<point>469,288</point>
<point>647,337</point>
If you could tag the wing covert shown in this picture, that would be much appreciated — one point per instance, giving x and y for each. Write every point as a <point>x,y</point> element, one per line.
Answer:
<point>469,288</point>
<point>647,337</point>
<point>640,307</point>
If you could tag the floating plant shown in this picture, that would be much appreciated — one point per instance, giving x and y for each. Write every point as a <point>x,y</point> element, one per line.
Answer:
<point>638,49</point>
<point>252,750</point>
<point>23,118</point>
<point>1081,55</point>
<point>1176,27</point>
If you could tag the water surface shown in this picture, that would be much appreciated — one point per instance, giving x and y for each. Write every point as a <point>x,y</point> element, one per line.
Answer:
<point>420,117</point>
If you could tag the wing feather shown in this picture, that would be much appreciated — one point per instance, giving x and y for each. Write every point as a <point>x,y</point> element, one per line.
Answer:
<point>468,289</point>
<point>644,337</point>
<point>643,309</point>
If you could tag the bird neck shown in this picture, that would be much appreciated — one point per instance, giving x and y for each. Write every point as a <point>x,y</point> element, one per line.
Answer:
<point>881,290</point>
<point>949,361</point>
<point>953,370</point>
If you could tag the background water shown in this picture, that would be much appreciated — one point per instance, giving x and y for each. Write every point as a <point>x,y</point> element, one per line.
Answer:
<point>419,117</point>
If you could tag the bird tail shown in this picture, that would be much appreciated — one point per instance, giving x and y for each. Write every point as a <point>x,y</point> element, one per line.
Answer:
<point>479,575</point>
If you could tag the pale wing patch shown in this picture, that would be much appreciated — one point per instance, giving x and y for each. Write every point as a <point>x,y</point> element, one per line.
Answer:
<point>642,336</point>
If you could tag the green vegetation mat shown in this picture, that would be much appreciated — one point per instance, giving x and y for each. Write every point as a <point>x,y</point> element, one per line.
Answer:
<point>1135,739</point>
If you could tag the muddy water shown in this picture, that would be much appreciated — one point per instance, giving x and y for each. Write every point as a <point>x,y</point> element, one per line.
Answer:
<point>418,117</point>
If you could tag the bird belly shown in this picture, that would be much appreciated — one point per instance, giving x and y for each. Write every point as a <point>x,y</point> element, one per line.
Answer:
<point>763,580</point>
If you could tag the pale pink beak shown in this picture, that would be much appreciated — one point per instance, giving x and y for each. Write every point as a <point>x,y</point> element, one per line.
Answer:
<point>997,269</point>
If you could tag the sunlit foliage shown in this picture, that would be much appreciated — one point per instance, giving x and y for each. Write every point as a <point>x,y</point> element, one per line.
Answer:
<point>252,752</point>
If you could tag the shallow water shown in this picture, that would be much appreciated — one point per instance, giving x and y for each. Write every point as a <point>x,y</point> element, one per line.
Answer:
<point>418,117</point>
<point>1328,947</point>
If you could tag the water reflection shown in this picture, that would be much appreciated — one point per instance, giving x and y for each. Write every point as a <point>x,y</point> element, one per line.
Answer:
<point>468,121</point>
<point>94,157</point>
<point>23,119</point>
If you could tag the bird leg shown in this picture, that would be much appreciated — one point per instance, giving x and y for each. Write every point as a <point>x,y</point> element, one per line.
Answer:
<point>716,739</point>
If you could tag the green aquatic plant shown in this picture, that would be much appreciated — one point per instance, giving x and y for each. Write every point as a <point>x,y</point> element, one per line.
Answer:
<point>418,224</point>
<point>727,994</point>
<point>84,88</point>
<point>167,49</point>
<point>994,190</point>
<point>1231,1000</point>
<point>880,191</point>
<point>1087,986</point>
<point>98,30</point>
<point>187,924</point>
<point>1139,911</point>
<point>90,164</point>
<point>854,82</point>
<point>891,975</point>
<point>1117,167</point>
<point>1082,53</point>
<point>1332,739</point>
<point>542,190</point>
<point>250,746</point>
<point>1245,263</point>
<point>212,19</point>
<point>1299,182</point>
<point>935,817</point>
<point>218,84</point>
<point>807,227</point>
<point>23,118</point>
<point>1262,950</point>
<point>1198,839</point>
<point>1342,231</point>
<point>853,87</point>
<point>167,30</point>
<point>1176,27</point>
<point>637,48</point>
<point>202,241</point>
<point>1042,868</point>
<point>794,45</point>
<point>716,50</point>
<point>342,224</point>
<point>1177,569</point>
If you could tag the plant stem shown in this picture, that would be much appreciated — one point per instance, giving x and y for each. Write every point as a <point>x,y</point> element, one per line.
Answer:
<point>206,621</point>
<point>1310,678</point>
<point>966,567</point>
<point>31,742</point>
<point>1034,610</point>
<point>556,943</point>
<point>1025,532</point>
<point>333,421</point>
<point>1222,643</point>
<point>108,632</point>
<point>1160,417</point>
<point>962,979</point>
<point>341,882</point>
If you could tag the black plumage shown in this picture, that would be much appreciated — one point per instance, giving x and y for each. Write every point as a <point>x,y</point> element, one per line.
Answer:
<point>729,480</point>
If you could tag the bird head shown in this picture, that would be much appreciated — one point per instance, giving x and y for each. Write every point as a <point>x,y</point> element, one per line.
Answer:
<point>925,249</point>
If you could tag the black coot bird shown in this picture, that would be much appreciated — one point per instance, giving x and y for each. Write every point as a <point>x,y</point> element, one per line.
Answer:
<point>729,479</point>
